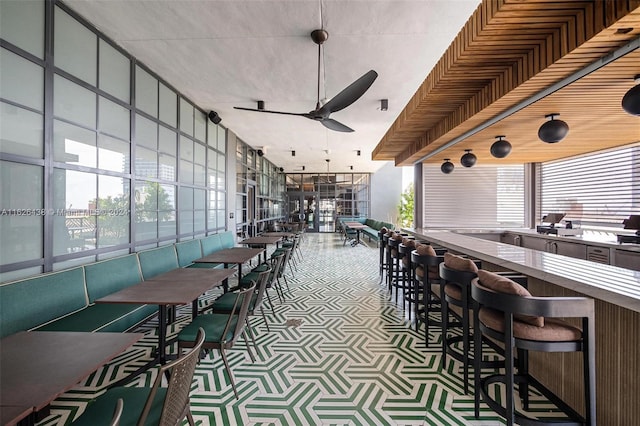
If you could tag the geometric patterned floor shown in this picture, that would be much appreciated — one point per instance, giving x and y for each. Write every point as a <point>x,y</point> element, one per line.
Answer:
<point>339,353</point>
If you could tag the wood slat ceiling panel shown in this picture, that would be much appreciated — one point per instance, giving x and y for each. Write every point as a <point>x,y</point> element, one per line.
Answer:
<point>591,107</point>
<point>497,61</point>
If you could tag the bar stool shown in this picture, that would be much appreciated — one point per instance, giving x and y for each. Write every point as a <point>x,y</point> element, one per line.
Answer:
<point>506,312</point>
<point>426,286</point>
<point>406,271</point>
<point>457,273</point>
<point>382,238</point>
<point>398,278</point>
<point>394,273</point>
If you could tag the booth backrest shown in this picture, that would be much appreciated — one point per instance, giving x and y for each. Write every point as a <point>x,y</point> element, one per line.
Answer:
<point>157,261</point>
<point>111,275</point>
<point>227,239</point>
<point>361,220</point>
<point>210,244</point>
<point>188,251</point>
<point>378,224</point>
<point>27,303</point>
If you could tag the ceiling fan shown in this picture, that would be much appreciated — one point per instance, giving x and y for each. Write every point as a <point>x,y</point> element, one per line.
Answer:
<point>342,100</point>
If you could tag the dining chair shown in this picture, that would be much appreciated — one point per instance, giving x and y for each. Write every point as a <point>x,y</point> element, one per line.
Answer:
<point>221,330</point>
<point>288,256</point>
<point>150,406</point>
<point>117,413</point>
<point>276,263</point>
<point>224,304</point>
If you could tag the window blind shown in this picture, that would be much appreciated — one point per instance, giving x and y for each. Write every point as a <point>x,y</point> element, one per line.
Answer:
<point>600,189</point>
<point>479,197</point>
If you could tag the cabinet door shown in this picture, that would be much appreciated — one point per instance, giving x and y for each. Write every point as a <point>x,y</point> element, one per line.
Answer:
<point>510,238</point>
<point>534,243</point>
<point>628,259</point>
<point>579,251</point>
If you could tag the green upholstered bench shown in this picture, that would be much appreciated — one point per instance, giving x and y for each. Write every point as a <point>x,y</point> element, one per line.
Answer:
<point>157,261</point>
<point>29,303</point>
<point>373,226</point>
<point>108,276</point>
<point>210,244</point>
<point>103,278</point>
<point>188,251</point>
<point>64,300</point>
<point>227,239</point>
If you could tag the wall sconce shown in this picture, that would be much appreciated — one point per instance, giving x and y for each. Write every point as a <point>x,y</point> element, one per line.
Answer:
<point>293,153</point>
<point>384,104</point>
<point>358,153</point>
<point>260,105</point>
<point>303,168</point>
<point>447,167</point>
<point>468,159</point>
<point>631,99</point>
<point>351,167</point>
<point>500,148</point>
<point>553,130</point>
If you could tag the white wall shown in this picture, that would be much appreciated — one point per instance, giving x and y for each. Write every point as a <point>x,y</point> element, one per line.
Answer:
<point>386,189</point>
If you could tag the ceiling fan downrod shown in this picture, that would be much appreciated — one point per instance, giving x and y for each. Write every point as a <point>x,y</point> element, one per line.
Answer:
<point>319,37</point>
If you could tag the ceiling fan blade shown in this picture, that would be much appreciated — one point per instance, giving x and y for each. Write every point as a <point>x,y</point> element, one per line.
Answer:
<point>349,95</point>
<point>332,124</point>
<point>303,114</point>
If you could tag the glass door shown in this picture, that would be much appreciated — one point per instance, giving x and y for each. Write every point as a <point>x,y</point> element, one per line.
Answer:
<point>327,214</point>
<point>303,207</point>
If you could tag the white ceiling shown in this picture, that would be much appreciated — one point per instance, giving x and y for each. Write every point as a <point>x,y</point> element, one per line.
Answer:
<point>222,54</point>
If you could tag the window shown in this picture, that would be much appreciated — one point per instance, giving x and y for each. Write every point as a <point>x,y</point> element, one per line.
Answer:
<point>113,182</point>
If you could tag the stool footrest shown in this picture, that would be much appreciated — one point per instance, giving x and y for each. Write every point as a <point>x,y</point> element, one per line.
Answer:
<point>458,356</point>
<point>572,417</point>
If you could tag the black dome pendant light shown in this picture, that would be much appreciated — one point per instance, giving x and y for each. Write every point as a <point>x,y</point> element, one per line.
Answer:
<point>553,131</point>
<point>501,148</point>
<point>447,167</point>
<point>468,159</point>
<point>631,99</point>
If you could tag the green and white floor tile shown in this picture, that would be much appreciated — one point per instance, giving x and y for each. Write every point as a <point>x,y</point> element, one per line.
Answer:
<point>339,353</point>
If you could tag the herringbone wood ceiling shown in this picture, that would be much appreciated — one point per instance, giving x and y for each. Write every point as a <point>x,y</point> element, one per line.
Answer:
<point>508,52</point>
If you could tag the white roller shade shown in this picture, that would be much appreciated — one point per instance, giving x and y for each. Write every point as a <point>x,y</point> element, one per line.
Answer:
<point>479,197</point>
<point>600,189</point>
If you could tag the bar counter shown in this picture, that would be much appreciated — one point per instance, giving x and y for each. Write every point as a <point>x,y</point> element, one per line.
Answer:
<point>617,295</point>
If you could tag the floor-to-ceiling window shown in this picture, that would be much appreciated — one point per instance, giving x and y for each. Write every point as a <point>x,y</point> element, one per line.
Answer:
<point>319,199</point>
<point>259,190</point>
<point>98,155</point>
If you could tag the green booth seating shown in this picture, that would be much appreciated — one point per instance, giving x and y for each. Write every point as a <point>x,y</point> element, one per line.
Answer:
<point>188,251</point>
<point>28,303</point>
<point>211,244</point>
<point>227,239</point>
<point>101,279</point>
<point>157,261</point>
<point>65,300</point>
<point>373,226</point>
